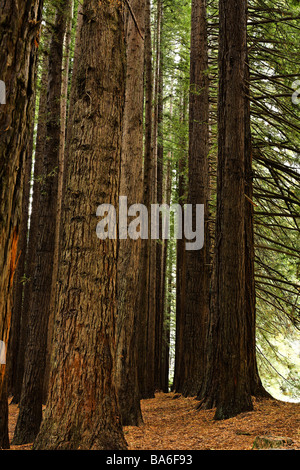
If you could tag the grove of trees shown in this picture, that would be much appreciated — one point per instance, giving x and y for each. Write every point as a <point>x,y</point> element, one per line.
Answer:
<point>169,102</point>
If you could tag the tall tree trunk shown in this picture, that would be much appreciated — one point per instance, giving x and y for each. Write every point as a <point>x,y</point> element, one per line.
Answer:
<point>178,381</point>
<point>30,414</point>
<point>196,298</point>
<point>31,252</point>
<point>257,388</point>
<point>61,166</point>
<point>146,324</point>
<point>82,411</point>
<point>18,52</point>
<point>129,250</point>
<point>227,386</point>
<point>166,309</point>
<point>16,325</point>
<point>159,151</point>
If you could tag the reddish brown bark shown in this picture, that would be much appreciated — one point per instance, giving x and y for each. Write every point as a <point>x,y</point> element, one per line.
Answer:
<point>195,308</point>
<point>32,394</point>
<point>227,385</point>
<point>129,250</point>
<point>18,52</point>
<point>82,411</point>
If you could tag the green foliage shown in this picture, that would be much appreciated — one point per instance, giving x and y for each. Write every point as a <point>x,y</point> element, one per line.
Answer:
<point>273,40</point>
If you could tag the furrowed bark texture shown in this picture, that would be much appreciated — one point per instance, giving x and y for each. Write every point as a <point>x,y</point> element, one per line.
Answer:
<point>34,217</point>
<point>147,301</point>
<point>131,185</point>
<point>178,381</point>
<point>18,52</point>
<point>257,388</point>
<point>197,283</point>
<point>227,386</point>
<point>30,408</point>
<point>61,165</point>
<point>19,281</point>
<point>82,411</point>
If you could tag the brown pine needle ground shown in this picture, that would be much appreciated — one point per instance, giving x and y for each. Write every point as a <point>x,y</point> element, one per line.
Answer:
<point>175,424</point>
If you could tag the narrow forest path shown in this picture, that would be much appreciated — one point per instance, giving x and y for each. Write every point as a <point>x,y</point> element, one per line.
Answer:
<point>175,424</point>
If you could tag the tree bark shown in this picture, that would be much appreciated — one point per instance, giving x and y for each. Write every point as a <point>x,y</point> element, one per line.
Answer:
<point>61,165</point>
<point>146,325</point>
<point>18,52</point>
<point>31,252</point>
<point>32,394</point>
<point>178,381</point>
<point>129,250</point>
<point>81,411</point>
<point>227,384</point>
<point>159,150</point>
<point>257,388</point>
<point>19,278</point>
<point>197,283</point>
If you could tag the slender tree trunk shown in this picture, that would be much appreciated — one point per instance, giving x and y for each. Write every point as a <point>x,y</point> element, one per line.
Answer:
<point>129,250</point>
<point>18,52</point>
<point>61,166</point>
<point>227,384</point>
<point>30,414</point>
<point>159,150</point>
<point>196,298</point>
<point>257,388</point>
<point>31,252</point>
<point>165,347</point>
<point>178,381</point>
<point>15,333</point>
<point>146,326</point>
<point>81,411</point>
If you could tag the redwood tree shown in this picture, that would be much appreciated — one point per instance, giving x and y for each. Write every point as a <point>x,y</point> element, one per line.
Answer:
<point>30,414</point>
<point>147,279</point>
<point>18,52</point>
<point>195,308</point>
<point>82,411</point>
<point>227,384</point>
<point>129,250</point>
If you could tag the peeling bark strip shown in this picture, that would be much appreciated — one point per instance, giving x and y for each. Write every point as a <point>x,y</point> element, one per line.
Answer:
<point>18,51</point>
<point>82,411</point>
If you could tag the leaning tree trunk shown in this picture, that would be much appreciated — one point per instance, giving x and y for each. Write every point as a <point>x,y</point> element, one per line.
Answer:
<point>82,411</point>
<point>129,250</point>
<point>227,384</point>
<point>18,52</point>
<point>30,407</point>
<point>196,299</point>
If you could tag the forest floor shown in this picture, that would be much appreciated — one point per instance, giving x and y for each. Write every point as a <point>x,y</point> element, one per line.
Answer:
<point>175,424</point>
